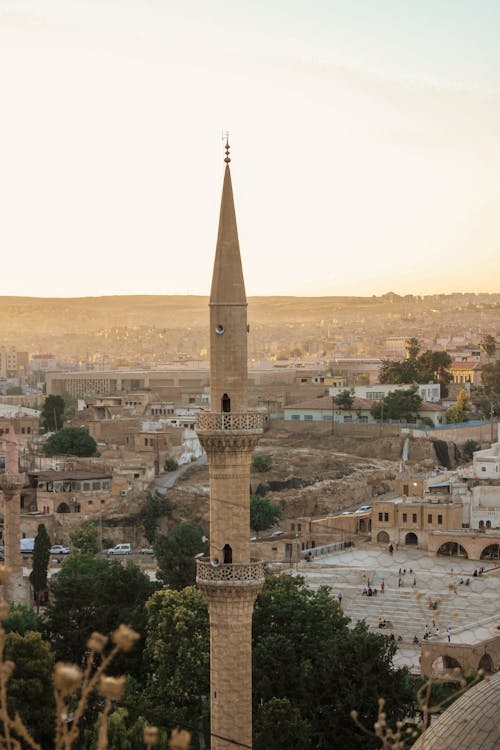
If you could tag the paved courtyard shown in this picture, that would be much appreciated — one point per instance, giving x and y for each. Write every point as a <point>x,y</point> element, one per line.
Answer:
<point>470,611</point>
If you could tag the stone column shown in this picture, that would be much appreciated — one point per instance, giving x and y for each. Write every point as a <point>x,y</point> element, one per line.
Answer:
<point>11,485</point>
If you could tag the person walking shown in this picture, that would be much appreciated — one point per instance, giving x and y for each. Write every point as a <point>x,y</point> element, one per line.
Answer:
<point>339,597</point>
<point>448,633</point>
<point>382,586</point>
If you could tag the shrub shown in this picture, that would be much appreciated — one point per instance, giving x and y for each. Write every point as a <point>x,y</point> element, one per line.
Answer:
<point>170,464</point>
<point>262,463</point>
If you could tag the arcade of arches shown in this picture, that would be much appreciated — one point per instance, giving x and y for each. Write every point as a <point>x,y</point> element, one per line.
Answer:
<point>441,657</point>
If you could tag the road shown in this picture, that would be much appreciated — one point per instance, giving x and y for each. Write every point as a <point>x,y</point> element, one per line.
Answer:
<point>166,481</point>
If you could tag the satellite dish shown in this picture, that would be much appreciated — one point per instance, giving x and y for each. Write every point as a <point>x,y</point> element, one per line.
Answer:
<point>214,562</point>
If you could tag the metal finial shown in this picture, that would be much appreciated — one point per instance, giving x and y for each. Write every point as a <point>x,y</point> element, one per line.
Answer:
<point>227,147</point>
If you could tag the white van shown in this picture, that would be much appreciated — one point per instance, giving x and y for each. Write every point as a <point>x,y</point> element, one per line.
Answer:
<point>26,546</point>
<point>125,548</point>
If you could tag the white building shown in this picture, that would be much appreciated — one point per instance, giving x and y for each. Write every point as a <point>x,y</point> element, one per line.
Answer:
<point>485,508</point>
<point>427,391</point>
<point>487,463</point>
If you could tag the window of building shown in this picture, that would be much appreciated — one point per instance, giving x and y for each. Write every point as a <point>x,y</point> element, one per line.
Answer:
<point>363,419</point>
<point>483,468</point>
<point>308,417</point>
<point>414,518</point>
<point>386,517</point>
<point>299,527</point>
<point>295,416</point>
<point>327,417</point>
<point>405,517</point>
<point>440,519</point>
<point>86,486</point>
<point>292,527</point>
<point>380,516</point>
<point>89,502</point>
<point>348,418</point>
<point>429,518</point>
<point>96,485</point>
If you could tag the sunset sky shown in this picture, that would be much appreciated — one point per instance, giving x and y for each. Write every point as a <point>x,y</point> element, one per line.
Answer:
<point>365,143</point>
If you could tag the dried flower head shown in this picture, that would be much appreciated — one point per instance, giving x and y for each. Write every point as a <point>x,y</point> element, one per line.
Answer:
<point>150,735</point>
<point>179,739</point>
<point>125,637</point>
<point>67,677</point>
<point>97,642</point>
<point>4,573</point>
<point>111,687</point>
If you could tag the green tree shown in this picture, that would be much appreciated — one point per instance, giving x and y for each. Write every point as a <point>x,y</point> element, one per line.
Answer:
<point>280,726</point>
<point>21,619</point>
<point>489,344</point>
<point>28,692</point>
<point>71,441</point>
<point>405,372</point>
<point>434,367</point>
<point>344,400</point>
<point>156,506</point>
<point>262,462</point>
<point>178,652</point>
<point>176,552</point>
<point>304,652</point>
<point>86,538</point>
<point>399,405</point>
<point>412,347</point>
<point>263,514</point>
<point>459,412</point>
<point>51,414</point>
<point>470,447</point>
<point>91,594</point>
<point>41,555</point>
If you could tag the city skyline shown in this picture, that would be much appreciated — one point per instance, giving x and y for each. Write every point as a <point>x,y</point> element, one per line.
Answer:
<point>364,146</point>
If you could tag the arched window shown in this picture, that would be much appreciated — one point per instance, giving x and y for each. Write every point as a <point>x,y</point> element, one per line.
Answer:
<point>228,553</point>
<point>226,404</point>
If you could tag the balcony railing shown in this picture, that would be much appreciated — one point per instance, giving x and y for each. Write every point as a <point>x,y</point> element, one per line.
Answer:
<point>230,421</point>
<point>252,572</point>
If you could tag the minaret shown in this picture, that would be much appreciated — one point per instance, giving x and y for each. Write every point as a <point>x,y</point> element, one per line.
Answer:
<point>229,433</point>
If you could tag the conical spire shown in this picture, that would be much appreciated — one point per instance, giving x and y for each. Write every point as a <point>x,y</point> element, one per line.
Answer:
<point>228,286</point>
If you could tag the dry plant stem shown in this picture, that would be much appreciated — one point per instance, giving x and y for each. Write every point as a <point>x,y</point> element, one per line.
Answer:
<point>102,738</point>
<point>64,736</point>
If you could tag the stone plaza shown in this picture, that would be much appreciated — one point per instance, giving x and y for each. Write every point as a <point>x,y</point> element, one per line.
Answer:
<point>472,611</point>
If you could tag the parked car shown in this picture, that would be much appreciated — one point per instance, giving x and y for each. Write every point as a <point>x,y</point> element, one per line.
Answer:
<point>278,532</point>
<point>146,551</point>
<point>125,548</point>
<point>363,508</point>
<point>59,549</point>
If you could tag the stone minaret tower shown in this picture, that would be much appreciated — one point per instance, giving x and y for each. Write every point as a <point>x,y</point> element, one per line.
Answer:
<point>11,484</point>
<point>229,433</point>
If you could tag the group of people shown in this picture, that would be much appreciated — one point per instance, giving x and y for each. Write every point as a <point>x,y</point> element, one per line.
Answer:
<point>433,630</point>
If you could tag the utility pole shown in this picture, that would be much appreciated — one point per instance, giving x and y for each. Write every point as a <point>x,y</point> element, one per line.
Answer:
<point>381,416</point>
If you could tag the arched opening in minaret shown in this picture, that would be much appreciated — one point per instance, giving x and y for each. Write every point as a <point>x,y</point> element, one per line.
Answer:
<point>228,553</point>
<point>226,404</point>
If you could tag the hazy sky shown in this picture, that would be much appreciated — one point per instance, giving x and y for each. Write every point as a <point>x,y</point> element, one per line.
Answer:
<point>365,142</point>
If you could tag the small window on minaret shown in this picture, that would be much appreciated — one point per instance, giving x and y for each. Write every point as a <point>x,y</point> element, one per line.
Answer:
<point>228,553</point>
<point>226,403</point>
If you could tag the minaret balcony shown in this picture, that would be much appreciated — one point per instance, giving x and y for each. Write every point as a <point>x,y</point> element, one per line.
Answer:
<point>249,421</point>
<point>239,574</point>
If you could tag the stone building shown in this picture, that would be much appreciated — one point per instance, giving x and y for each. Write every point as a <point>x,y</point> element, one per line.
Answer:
<point>229,579</point>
